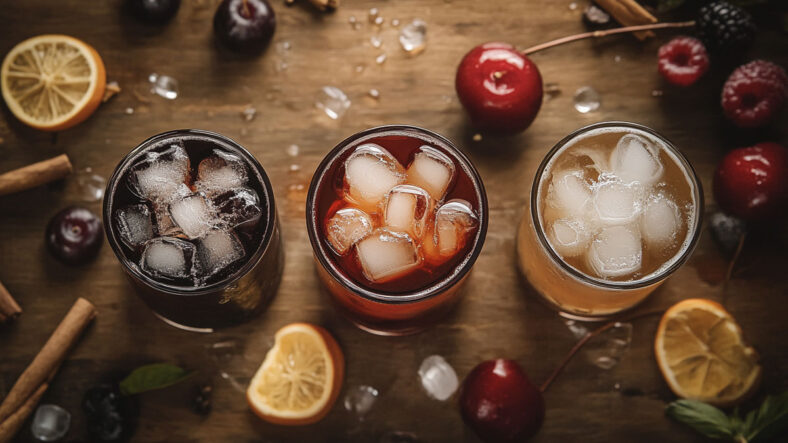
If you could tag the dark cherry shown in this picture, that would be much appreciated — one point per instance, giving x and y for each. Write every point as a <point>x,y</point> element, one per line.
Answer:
<point>244,25</point>
<point>500,403</point>
<point>74,235</point>
<point>500,88</point>
<point>154,11</point>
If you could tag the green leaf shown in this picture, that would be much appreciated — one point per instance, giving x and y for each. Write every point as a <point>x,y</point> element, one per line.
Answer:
<point>770,420</point>
<point>667,5</point>
<point>153,376</point>
<point>706,419</point>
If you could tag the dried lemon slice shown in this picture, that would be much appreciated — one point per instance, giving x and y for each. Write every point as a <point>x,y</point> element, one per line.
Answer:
<point>702,356</point>
<point>300,378</point>
<point>52,82</point>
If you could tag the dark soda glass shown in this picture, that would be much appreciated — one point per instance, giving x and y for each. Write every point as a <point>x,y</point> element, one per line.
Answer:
<point>220,288</point>
<point>413,301</point>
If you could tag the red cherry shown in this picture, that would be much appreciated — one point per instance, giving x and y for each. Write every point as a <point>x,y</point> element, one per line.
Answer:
<point>500,403</point>
<point>752,183</point>
<point>500,88</point>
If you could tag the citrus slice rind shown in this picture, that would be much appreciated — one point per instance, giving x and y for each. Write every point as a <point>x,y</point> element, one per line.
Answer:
<point>702,356</point>
<point>300,377</point>
<point>52,82</point>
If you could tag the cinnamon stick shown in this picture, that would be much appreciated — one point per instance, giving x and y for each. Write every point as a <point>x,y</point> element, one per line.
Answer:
<point>8,306</point>
<point>25,393</point>
<point>11,426</point>
<point>629,13</point>
<point>35,175</point>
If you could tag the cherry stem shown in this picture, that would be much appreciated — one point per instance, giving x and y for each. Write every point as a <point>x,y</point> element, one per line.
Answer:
<point>597,34</point>
<point>586,338</point>
<point>731,266</point>
<point>245,5</point>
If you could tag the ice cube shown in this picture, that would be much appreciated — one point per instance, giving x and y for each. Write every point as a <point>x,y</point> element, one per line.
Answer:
<point>438,378</point>
<point>569,237</point>
<point>386,254</point>
<point>568,192</point>
<point>636,159</point>
<point>50,423</point>
<point>406,209</point>
<point>360,399</point>
<point>217,250</point>
<point>617,203</point>
<point>220,172</point>
<point>454,221</point>
<point>616,251</point>
<point>370,172</point>
<point>194,215</point>
<point>134,224</point>
<point>239,208</point>
<point>346,227</point>
<point>431,170</point>
<point>159,174</point>
<point>660,222</point>
<point>606,350</point>
<point>168,257</point>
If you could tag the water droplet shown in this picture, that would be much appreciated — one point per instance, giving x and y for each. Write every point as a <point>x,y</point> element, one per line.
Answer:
<point>617,59</point>
<point>294,168</point>
<point>89,186</point>
<point>359,69</point>
<point>551,91</point>
<point>283,47</point>
<point>477,137</point>
<point>373,14</point>
<point>292,150</point>
<point>395,22</point>
<point>296,187</point>
<point>376,41</point>
<point>413,37</point>
<point>578,330</point>
<point>607,349</point>
<point>657,93</point>
<point>164,86</point>
<point>381,59</point>
<point>354,23</point>
<point>332,101</point>
<point>249,113</point>
<point>374,93</point>
<point>50,423</point>
<point>586,100</point>
<point>438,378</point>
<point>379,21</point>
<point>129,110</point>
<point>281,66</point>
<point>360,399</point>
<point>572,6</point>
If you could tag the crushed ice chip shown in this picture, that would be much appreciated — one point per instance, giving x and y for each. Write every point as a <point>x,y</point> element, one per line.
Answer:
<point>569,237</point>
<point>568,192</point>
<point>616,203</point>
<point>193,215</point>
<point>370,172</point>
<point>431,170</point>
<point>346,227</point>
<point>159,175</point>
<point>168,257</point>
<point>636,159</point>
<point>660,222</point>
<point>454,221</point>
<point>221,171</point>
<point>386,254</point>
<point>217,250</point>
<point>134,224</point>
<point>406,209</point>
<point>616,251</point>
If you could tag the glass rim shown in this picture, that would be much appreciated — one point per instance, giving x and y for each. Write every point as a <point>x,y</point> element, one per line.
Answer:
<point>114,242</point>
<point>434,288</point>
<point>609,284</point>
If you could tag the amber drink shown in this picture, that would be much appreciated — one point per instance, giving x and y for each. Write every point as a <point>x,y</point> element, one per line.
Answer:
<point>615,209</point>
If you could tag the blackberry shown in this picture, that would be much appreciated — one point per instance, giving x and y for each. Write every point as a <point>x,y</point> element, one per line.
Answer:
<point>724,27</point>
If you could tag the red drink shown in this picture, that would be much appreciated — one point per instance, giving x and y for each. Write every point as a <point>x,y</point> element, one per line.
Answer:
<point>396,216</point>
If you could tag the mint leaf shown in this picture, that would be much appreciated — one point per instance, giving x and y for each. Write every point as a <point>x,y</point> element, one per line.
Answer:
<point>770,420</point>
<point>153,376</point>
<point>706,419</point>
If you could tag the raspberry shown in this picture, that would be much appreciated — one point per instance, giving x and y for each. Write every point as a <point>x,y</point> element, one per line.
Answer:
<point>754,94</point>
<point>683,60</point>
<point>726,28</point>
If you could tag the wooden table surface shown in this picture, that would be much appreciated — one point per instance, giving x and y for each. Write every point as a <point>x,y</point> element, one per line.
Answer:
<point>499,316</point>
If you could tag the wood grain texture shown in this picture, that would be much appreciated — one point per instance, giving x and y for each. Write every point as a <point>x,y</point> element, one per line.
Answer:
<point>499,316</point>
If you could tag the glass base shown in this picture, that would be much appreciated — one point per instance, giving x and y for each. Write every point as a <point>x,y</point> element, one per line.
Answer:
<point>183,327</point>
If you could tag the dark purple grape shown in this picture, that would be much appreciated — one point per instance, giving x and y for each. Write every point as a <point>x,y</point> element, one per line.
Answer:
<point>74,235</point>
<point>111,417</point>
<point>244,25</point>
<point>154,11</point>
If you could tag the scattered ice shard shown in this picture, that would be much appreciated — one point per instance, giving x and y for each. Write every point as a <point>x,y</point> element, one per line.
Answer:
<point>431,170</point>
<point>586,100</point>
<point>346,227</point>
<point>370,172</point>
<point>616,251</point>
<point>239,208</point>
<point>636,159</point>
<point>438,378</point>
<point>616,203</point>
<point>660,222</point>
<point>568,193</point>
<point>220,172</point>
<point>406,209</point>
<point>163,86</point>
<point>90,186</point>
<point>454,221</point>
<point>360,399</point>
<point>135,225</point>
<point>50,423</point>
<point>217,250</point>
<point>606,350</point>
<point>332,101</point>
<point>160,175</point>
<point>168,258</point>
<point>386,254</point>
<point>569,237</point>
<point>413,37</point>
<point>194,215</point>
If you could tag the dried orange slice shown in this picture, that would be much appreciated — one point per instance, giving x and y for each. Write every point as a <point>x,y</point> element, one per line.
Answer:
<point>702,355</point>
<point>52,82</point>
<point>300,378</point>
